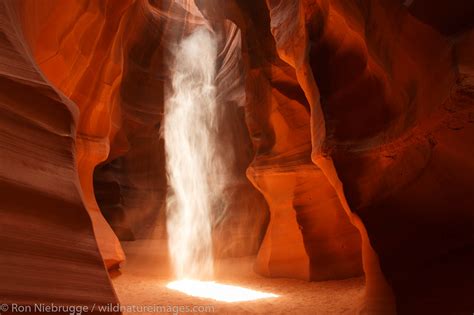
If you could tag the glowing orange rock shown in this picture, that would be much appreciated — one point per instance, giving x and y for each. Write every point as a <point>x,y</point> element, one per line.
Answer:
<point>77,50</point>
<point>47,237</point>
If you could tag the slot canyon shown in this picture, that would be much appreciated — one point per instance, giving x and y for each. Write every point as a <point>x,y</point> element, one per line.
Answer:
<point>237,157</point>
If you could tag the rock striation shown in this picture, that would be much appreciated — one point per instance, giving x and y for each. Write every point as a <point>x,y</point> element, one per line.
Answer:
<point>349,124</point>
<point>49,249</point>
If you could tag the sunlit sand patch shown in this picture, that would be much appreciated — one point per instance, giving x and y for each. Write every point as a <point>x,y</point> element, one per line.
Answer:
<point>217,291</point>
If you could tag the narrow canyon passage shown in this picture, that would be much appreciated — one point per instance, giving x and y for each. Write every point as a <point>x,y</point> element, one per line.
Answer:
<point>249,156</point>
<point>198,177</point>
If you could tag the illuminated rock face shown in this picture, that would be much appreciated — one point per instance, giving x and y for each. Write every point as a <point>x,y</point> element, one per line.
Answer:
<point>353,124</point>
<point>77,46</point>
<point>49,250</point>
<point>389,102</point>
<point>395,97</point>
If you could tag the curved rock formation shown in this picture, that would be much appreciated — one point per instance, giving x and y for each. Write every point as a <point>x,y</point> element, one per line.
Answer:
<point>77,46</point>
<point>49,250</point>
<point>309,235</point>
<point>376,79</point>
<point>390,106</point>
<point>352,120</point>
<point>138,175</point>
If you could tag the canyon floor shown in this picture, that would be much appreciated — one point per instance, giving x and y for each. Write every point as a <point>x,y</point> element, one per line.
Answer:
<point>143,278</point>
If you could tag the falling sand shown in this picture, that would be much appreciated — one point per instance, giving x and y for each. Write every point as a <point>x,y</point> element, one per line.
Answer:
<point>196,171</point>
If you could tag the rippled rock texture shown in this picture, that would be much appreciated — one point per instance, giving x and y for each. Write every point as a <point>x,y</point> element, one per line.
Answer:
<point>351,124</point>
<point>49,244</point>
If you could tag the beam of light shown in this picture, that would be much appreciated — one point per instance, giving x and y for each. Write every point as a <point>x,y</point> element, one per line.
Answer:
<point>195,167</point>
<point>217,291</point>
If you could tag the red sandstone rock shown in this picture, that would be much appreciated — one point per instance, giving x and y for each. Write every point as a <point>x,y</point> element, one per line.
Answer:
<point>359,118</point>
<point>49,252</point>
<point>390,95</point>
<point>77,46</point>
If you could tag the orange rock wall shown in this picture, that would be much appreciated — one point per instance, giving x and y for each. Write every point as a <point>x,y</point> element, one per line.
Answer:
<point>388,95</point>
<point>353,120</point>
<point>77,44</point>
<point>47,237</point>
<point>309,235</point>
<point>389,109</point>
